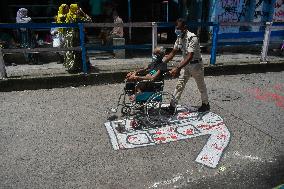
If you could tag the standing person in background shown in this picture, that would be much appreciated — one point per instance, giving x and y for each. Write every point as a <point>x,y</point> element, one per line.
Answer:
<point>62,13</point>
<point>26,36</point>
<point>57,42</point>
<point>73,59</point>
<point>58,34</point>
<point>191,64</point>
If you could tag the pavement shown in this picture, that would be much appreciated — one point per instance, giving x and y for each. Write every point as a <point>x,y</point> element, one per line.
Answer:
<point>49,74</point>
<point>56,138</point>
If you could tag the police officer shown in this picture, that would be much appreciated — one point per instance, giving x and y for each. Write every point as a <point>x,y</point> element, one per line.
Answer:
<point>191,64</point>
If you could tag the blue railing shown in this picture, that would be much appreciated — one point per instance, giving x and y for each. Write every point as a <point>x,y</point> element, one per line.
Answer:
<point>215,36</point>
<point>38,25</point>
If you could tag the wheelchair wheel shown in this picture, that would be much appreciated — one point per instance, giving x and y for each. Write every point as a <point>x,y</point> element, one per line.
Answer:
<point>139,122</point>
<point>157,108</point>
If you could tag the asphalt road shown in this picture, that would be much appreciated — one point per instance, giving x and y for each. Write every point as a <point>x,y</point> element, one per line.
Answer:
<point>56,139</point>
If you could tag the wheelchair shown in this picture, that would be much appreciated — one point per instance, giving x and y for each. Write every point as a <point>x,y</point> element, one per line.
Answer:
<point>149,108</point>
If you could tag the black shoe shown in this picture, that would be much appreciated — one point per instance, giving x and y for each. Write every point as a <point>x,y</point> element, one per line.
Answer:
<point>204,107</point>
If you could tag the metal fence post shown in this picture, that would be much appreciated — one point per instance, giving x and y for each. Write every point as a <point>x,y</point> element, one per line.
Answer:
<point>214,44</point>
<point>130,32</point>
<point>3,73</point>
<point>154,35</point>
<point>83,48</point>
<point>129,20</point>
<point>266,40</point>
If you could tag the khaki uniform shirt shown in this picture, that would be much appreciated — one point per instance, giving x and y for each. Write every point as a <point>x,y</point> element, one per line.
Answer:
<point>188,43</point>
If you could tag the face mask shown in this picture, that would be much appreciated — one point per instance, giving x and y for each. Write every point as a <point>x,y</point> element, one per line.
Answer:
<point>178,32</point>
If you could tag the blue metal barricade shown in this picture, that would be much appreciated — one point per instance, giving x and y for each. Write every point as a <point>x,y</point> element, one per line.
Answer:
<point>215,36</point>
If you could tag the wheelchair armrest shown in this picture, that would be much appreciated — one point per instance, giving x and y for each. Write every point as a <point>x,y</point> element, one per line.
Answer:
<point>157,85</point>
<point>148,81</point>
<point>143,81</point>
<point>158,82</point>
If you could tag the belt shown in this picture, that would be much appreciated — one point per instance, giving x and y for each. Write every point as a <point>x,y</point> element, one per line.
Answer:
<point>195,61</point>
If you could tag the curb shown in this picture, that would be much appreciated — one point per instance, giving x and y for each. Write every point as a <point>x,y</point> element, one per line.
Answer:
<point>60,81</point>
<point>243,69</point>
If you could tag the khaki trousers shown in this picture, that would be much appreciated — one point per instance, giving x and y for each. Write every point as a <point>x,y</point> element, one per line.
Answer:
<point>197,72</point>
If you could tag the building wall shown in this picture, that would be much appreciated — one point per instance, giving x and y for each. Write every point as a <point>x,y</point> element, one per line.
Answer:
<point>278,15</point>
<point>245,10</point>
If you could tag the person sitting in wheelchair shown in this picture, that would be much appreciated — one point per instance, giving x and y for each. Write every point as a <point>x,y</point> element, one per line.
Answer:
<point>143,79</point>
